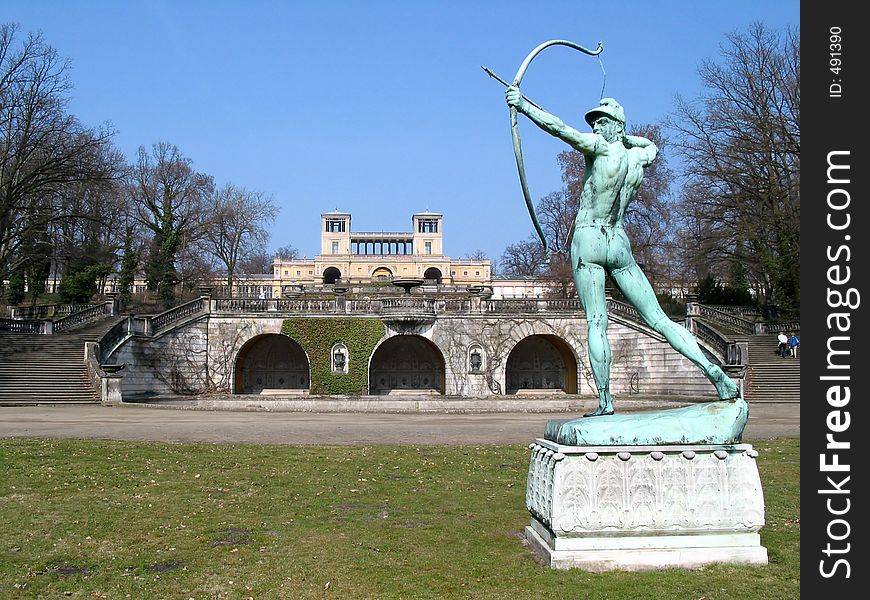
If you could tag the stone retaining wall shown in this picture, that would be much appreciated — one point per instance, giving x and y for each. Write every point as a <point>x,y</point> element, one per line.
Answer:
<point>200,356</point>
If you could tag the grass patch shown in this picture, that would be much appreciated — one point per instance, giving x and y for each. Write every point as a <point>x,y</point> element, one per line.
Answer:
<point>104,519</point>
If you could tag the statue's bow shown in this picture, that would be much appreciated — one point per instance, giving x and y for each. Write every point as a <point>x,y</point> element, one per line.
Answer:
<point>515,130</point>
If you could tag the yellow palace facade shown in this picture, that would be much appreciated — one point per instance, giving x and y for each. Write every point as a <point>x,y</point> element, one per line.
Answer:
<point>349,257</point>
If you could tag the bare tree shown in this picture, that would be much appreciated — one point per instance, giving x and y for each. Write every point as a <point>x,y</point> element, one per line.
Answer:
<point>287,252</point>
<point>95,234</point>
<point>169,199</point>
<point>261,261</point>
<point>43,149</point>
<point>237,227</point>
<point>740,140</point>
<point>475,255</point>
<point>524,259</point>
<point>258,263</point>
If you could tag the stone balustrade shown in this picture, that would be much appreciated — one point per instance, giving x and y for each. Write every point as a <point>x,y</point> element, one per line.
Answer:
<point>386,306</point>
<point>178,313</point>
<point>726,319</point>
<point>91,313</point>
<point>784,327</point>
<point>46,311</point>
<point>21,326</point>
<point>712,339</point>
<point>745,312</point>
<point>114,337</point>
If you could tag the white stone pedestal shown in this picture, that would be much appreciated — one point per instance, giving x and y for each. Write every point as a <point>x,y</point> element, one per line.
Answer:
<point>644,507</point>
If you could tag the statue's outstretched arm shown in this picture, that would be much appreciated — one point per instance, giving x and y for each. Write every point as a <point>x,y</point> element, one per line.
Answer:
<point>584,142</point>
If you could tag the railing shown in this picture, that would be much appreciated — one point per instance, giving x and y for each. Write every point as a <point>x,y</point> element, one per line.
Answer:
<point>713,339</point>
<point>453,306</point>
<point>522,305</point>
<point>784,327</point>
<point>318,305</point>
<point>113,338</point>
<point>180,312</point>
<point>626,311</point>
<point>377,306</point>
<point>364,306</point>
<point>744,312</point>
<point>417,307</point>
<point>83,316</point>
<point>726,319</point>
<point>47,311</point>
<point>726,350</point>
<point>91,312</point>
<point>20,326</point>
<point>234,305</point>
<point>247,304</point>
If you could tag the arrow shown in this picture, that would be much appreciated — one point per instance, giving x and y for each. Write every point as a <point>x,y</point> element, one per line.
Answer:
<point>506,84</point>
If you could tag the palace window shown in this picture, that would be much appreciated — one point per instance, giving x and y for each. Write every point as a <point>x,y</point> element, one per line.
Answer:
<point>428,247</point>
<point>428,226</point>
<point>335,247</point>
<point>335,225</point>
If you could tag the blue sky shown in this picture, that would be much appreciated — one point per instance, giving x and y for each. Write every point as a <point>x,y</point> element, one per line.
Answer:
<point>378,108</point>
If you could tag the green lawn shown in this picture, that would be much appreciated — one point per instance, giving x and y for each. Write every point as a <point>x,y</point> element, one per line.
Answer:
<point>99,519</point>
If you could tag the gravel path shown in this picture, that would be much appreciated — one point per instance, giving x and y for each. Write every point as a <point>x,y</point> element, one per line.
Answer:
<point>239,427</point>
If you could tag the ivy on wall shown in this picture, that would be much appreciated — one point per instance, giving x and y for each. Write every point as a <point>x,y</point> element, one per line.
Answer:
<point>318,336</point>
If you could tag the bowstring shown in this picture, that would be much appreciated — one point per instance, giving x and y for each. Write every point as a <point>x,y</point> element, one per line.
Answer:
<point>604,79</point>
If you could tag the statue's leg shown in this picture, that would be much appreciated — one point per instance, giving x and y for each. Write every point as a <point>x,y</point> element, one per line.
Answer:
<point>589,279</point>
<point>639,292</point>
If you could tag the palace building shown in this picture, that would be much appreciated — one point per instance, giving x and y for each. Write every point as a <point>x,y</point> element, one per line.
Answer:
<point>360,257</point>
<point>361,260</point>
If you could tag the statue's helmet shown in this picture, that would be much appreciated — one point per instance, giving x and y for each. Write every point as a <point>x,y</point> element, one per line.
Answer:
<point>608,107</point>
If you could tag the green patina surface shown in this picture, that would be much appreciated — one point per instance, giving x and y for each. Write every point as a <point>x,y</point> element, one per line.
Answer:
<point>719,422</point>
<point>600,247</point>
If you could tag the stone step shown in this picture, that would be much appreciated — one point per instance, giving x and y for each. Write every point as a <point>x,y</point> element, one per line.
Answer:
<point>773,382</point>
<point>48,369</point>
<point>31,400</point>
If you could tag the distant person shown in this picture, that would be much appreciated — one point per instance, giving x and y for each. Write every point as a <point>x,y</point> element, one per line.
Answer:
<point>782,350</point>
<point>793,343</point>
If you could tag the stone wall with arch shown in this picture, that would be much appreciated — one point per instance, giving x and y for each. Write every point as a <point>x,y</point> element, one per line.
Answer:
<point>227,338</point>
<point>201,355</point>
<point>497,337</point>
<point>406,364</point>
<point>541,363</point>
<point>271,362</point>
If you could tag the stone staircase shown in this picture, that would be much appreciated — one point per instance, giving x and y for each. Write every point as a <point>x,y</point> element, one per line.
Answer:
<point>48,369</point>
<point>769,377</point>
